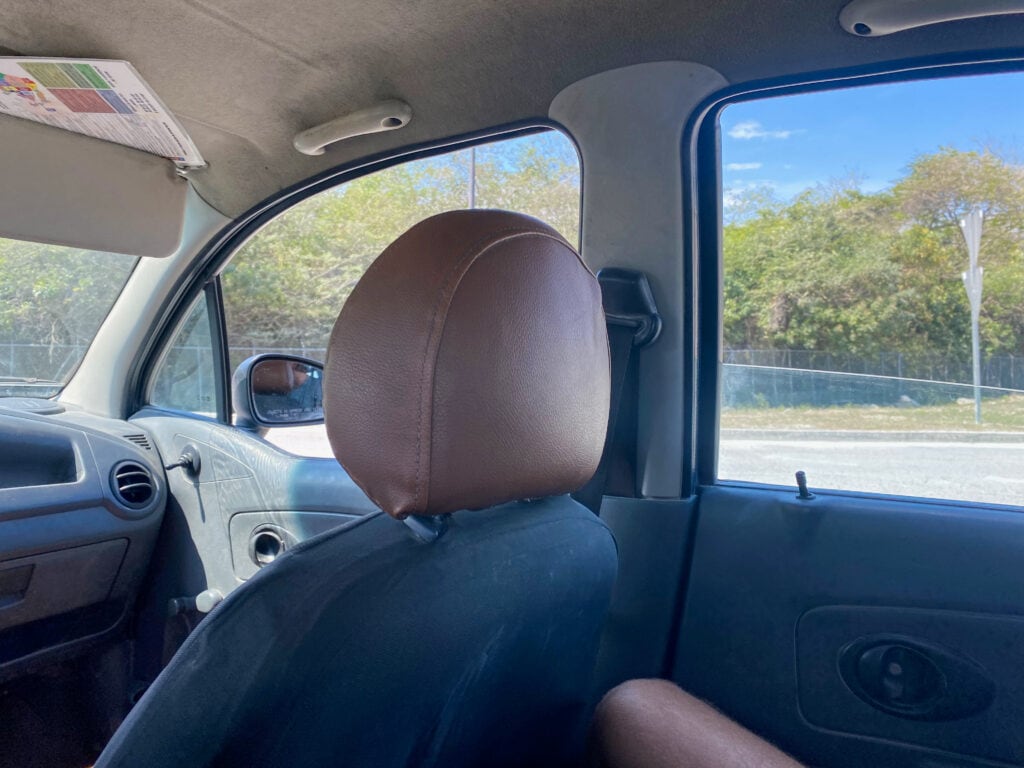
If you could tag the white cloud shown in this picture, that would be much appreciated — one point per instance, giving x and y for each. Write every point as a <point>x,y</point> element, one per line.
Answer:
<point>736,193</point>
<point>731,197</point>
<point>751,129</point>
<point>742,166</point>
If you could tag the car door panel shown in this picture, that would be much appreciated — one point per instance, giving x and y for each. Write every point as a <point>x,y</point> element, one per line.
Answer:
<point>971,651</point>
<point>244,486</point>
<point>241,474</point>
<point>779,589</point>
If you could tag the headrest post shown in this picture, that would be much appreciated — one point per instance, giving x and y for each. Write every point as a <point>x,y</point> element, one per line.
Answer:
<point>427,529</point>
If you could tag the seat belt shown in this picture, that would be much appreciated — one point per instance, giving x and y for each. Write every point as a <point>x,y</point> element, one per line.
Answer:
<point>633,323</point>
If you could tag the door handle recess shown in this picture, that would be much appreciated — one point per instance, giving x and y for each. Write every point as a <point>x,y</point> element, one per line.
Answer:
<point>914,679</point>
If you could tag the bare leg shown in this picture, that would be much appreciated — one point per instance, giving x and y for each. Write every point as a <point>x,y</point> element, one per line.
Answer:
<point>654,724</point>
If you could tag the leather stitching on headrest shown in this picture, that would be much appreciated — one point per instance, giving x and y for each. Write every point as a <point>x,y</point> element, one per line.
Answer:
<point>447,292</point>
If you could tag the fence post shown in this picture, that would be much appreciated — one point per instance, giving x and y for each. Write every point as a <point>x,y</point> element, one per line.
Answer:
<point>199,381</point>
<point>899,373</point>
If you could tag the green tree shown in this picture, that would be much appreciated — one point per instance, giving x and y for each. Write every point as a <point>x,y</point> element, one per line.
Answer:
<point>938,190</point>
<point>849,273</point>
<point>813,275</point>
<point>285,286</point>
<point>52,301</point>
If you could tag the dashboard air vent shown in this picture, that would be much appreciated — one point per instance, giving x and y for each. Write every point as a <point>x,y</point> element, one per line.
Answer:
<point>132,484</point>
<point>140,440</point>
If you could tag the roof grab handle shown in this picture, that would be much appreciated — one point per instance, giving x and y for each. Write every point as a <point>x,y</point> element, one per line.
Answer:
<point>874,18</point>
<point>385,116</point>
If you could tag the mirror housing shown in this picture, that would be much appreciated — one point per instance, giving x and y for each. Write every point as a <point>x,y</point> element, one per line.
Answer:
<point>273,390</point>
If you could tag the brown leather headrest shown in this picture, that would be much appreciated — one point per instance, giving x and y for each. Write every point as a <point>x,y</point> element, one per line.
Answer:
<point>469,367</point>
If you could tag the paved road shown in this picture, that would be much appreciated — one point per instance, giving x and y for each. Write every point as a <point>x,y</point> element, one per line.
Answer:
<point>975,471</point>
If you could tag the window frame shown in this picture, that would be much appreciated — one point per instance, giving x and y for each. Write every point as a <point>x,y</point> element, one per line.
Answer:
<point>211,299</point>
<point>702,175</point>
<point>219,250</point>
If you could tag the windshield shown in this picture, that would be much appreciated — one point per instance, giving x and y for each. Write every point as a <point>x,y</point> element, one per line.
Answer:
<point>52,301</point>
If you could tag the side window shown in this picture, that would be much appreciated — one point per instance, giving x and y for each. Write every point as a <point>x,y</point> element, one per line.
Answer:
<point>284,287</point>
<point>185,379</point>
<point>873,309</point>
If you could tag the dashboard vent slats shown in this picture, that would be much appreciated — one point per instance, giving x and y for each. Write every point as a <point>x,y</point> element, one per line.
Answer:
<point>140,440</point>
<point>132,484</point>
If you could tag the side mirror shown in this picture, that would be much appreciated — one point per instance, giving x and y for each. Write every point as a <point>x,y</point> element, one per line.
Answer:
<point>278,391</point>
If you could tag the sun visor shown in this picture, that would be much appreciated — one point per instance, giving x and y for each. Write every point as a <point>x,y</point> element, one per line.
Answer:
<point>69,189</point>
<point>90,157</point>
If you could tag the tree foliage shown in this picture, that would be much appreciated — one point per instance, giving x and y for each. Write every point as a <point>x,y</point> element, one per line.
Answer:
<point>286,285</point>
<point>54,299</point>
<point>841,271</point>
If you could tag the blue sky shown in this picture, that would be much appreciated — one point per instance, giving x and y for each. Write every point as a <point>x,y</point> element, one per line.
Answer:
<point>791,143</point>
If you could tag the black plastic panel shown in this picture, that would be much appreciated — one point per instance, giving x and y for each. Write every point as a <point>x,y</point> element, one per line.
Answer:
<point>57,582</point>
<point>68,545</point>
<point>957,643</point>
<point>652,536</point>
<point>763,562</point>
<point>58,631</point>
<point>47,460</point>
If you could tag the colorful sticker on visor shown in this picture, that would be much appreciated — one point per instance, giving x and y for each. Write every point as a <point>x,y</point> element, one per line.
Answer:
<point>104,99</point>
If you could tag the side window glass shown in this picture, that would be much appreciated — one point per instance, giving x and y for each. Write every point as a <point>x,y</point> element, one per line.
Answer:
<point>873,310</point>
<point>284,287</point>
<point>185,379</point>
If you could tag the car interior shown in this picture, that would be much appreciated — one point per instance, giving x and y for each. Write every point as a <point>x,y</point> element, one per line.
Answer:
<point>453,385</point>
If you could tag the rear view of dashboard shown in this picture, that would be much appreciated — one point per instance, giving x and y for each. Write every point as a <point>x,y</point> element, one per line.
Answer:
<point>81,500</point>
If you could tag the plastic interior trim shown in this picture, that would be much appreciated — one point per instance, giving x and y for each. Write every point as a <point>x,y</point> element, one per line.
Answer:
<point>875,18</point>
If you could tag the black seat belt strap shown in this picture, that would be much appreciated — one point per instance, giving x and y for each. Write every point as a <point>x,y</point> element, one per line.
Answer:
<point>633,322</point>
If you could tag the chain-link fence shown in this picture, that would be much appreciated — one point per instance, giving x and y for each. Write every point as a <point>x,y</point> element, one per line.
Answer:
<point>998,371</point>
<point>753,386</point>
<point>774,378</point>
<point>42,361</point>
<point>751,377</point>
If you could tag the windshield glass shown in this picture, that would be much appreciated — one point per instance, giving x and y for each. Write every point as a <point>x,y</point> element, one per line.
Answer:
<point>52,301</point>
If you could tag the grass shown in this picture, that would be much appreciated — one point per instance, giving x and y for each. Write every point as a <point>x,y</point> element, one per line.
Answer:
<point>1002,414</point>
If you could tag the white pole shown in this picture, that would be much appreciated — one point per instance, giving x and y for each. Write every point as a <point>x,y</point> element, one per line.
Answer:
<point>970,226</point>
<point>472,177</point>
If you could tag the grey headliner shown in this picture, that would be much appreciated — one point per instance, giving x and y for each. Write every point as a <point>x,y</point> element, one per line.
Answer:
<point>246,75</point>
